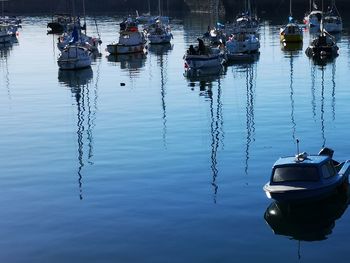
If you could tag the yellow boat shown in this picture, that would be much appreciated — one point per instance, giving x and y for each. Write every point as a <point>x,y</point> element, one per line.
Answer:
<point>291,33</point>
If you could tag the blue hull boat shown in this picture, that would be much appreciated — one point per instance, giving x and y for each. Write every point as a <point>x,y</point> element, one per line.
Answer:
<point>307,177</point>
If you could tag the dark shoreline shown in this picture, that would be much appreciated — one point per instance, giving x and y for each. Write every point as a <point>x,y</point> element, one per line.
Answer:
<point>169,7</point>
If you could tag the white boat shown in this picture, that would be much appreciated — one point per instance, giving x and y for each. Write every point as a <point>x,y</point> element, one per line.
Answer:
<point>159,33</point>
<point>202,56</point>
<point>332,21</point>
<point>73,57</point>
<point>5,35</point>
<point>314,17</point>
<point>131,40</point>
<point>91,43</point>
<point>241,45</point>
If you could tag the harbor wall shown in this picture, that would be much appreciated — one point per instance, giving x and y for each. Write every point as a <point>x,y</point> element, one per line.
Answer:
<point>168,6</point>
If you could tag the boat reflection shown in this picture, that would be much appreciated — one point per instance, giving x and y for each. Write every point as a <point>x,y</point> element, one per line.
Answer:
<point>290,47</point>
<point>307,222</point>
<point>207,75</point>
<point>160,49</point>
<point>130,62</point>
<point>85,96</point>
<point>248,60</point>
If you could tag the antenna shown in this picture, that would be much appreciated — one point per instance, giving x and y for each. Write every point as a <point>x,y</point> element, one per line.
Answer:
<point>298,147</point>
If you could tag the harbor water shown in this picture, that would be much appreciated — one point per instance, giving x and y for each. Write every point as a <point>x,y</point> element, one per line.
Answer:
<point>131,161</point>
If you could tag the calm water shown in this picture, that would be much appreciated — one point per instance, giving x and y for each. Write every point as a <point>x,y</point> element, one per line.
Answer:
<point>163,169</point>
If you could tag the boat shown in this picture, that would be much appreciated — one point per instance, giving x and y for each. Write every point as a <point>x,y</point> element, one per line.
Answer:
<point>158,33</point>
<point>332,21</point>
<point>242,46</point>
<point>74,56</point>
<point>131,40</point>
<point>62,23</point>
<point>91,43</point>
<point>202,56</point>
<point>5,34</point>
<point>245,22</point>
<point>306,177</point>
<point>322,47</point>
<point>313,18</point>
<point>291,32</point>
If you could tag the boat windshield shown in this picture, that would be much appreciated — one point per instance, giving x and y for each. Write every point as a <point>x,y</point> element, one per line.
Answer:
<point>296,173</point>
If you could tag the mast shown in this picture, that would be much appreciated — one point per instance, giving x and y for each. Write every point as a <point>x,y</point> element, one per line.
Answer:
<point>290,8</point>
<point>159,8</point>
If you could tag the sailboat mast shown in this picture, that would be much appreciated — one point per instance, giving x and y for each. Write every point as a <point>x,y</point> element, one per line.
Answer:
<point>290,7</point>
<point>84,13</point>
<point>159,8</point>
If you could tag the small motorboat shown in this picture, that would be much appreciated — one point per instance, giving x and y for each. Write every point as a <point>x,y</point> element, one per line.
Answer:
<point>322,47</point>
<point>203,56</point>
<point>74,56</point>
<point>131,40</point>
<point>306,177</point>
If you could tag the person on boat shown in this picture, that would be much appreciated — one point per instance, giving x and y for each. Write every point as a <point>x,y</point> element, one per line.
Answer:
<point>191,50</point>
<point>201,46</point>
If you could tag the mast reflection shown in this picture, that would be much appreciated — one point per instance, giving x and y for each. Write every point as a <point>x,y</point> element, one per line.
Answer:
<point>162,51</point>
<point>86,103</point>
<point>250,114</point>
<point>216,121</point>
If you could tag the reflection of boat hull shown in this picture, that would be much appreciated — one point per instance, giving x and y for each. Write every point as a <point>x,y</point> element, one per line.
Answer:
<point>116,49</point>
<point>75,78</point>
<point>309,222</point>
<point>203,61</point>
<point>129,61</point>
<point>159,38</point>
<point>242,57</point>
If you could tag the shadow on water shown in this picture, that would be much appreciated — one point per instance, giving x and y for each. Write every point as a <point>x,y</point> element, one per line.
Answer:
<point>85,94</point>
<point>307,221</point>
<point>162,53</point>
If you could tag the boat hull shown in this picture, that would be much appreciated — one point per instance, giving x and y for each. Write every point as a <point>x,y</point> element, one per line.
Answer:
<point>117,49</point>
<point>306,195</point>
<point>202,61</point>
<point>289,38</point>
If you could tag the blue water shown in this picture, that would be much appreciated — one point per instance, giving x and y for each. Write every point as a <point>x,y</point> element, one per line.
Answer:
<point>163,168</point>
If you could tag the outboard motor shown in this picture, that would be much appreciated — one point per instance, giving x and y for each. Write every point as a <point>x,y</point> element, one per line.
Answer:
<point>327,152</point>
